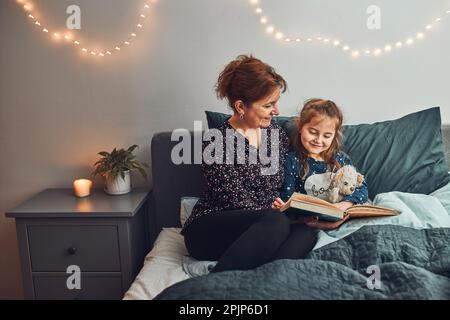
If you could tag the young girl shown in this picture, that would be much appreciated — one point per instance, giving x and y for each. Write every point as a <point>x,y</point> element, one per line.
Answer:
<point>317,145</point>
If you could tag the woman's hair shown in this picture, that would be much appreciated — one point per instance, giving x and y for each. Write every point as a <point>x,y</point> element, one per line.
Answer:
<point>311,109</point>
<point>248,79</point>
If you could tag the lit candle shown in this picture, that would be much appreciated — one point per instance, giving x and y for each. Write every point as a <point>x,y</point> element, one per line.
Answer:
<point>82,187</point>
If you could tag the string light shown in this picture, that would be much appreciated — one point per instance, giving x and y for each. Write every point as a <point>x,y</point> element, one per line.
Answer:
<point>279,35</point>
<point>57,35</point>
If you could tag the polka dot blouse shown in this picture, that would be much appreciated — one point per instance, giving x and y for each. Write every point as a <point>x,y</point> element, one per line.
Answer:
<point>242,185</point>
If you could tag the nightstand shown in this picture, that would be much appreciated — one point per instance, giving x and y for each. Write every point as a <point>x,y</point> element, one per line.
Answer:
<point>105,236</point>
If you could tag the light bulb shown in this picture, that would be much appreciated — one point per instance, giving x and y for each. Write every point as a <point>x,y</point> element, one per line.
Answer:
<point>355,54</point>
<point>388,48</point>
<point>336,43</point>
<point>259,10</point>
<point>399,44</point>
<point>263,20</point>
<point>270,29</point>
<point>279,35</point>
<point>346,48</point>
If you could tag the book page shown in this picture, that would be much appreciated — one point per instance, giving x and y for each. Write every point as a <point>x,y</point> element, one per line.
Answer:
<point>309,199</point>
<point>371,211</point>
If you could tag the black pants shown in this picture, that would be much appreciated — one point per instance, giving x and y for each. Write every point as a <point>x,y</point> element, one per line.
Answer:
<point>243,239</point>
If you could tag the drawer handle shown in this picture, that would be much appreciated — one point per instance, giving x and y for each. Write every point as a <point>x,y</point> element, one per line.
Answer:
<point>72,250</point>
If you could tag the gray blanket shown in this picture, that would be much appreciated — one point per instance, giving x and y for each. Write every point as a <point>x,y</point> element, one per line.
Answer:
<point>375,262</point>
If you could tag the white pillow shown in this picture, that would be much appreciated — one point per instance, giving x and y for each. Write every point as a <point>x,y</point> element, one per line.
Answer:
<point>186,206</point>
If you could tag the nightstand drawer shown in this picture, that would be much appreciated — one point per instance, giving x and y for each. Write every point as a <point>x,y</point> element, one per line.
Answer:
<point>55,288</point>
<point>92,248</point>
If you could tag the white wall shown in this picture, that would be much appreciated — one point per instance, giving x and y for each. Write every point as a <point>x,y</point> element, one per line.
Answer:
<point>58,109</point>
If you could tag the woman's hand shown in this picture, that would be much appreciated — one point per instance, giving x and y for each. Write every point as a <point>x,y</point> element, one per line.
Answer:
<point>277,204</point>
<point>323,225</point>
<point>344,205</point>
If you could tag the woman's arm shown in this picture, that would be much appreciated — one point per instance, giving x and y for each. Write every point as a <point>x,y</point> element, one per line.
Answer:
<point>226,182</point>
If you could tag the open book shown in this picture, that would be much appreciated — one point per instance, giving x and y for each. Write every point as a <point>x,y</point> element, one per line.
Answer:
<point>301,205</point>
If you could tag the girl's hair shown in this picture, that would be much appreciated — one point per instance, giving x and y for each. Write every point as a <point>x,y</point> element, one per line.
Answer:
<point>311,109</point>
<point>248,79</point>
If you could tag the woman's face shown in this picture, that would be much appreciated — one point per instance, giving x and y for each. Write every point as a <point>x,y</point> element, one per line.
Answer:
<point>260,113</point>
<point>317,135</point>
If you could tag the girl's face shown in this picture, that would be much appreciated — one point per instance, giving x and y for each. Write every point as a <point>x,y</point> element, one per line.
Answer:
<point>318,134</point>
<point>261,112</point>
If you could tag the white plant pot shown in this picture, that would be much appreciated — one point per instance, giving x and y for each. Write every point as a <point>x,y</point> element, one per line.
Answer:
<point>117,185</point>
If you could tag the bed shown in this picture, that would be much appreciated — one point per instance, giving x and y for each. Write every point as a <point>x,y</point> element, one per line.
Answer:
<point>412,251</point>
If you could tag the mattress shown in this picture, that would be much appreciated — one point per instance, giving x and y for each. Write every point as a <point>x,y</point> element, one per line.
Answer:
<point>163,266</point>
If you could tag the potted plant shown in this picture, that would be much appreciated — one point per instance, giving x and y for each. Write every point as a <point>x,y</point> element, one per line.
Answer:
<point>116,167</point>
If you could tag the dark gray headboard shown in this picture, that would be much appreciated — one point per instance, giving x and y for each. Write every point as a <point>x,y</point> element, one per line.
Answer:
<point>170,181</point>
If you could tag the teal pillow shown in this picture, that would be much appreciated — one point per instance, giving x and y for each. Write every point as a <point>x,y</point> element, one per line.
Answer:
<point>404,155</point>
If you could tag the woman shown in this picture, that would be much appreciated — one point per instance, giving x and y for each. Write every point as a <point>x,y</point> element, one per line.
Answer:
<point>233,222</point>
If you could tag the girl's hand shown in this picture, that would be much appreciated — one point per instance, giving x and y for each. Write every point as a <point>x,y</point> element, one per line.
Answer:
<point>324,225</point>
<point>344,205</point>
<point>277,204</point>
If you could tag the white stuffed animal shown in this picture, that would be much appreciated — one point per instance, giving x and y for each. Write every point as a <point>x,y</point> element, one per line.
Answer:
<point>343,183</point>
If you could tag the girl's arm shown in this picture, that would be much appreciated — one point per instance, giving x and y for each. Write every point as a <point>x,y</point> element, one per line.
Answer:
<point>289,181</point>
<point>361,194</point>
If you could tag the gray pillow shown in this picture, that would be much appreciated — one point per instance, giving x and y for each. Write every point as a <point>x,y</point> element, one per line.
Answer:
<point>404,155</point>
